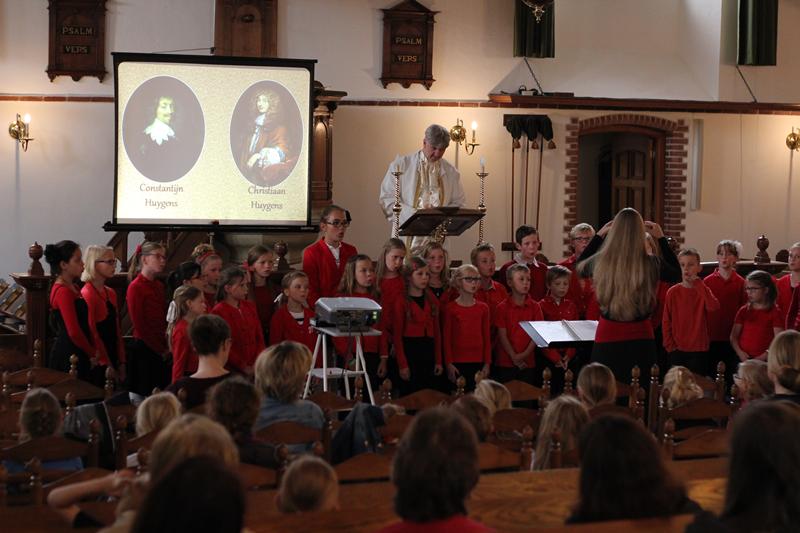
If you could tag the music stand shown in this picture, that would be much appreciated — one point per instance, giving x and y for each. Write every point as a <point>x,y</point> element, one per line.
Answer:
<point>439,222</point>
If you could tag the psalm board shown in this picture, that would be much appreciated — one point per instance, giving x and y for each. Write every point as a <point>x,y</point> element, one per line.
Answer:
<point>77,39</point>
<point>408,44</point>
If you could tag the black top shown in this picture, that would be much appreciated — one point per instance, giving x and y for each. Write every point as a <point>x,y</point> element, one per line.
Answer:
<point>419,300</point>
<point>684,506</point>
<point>255,452</point>
<point>195,388</point>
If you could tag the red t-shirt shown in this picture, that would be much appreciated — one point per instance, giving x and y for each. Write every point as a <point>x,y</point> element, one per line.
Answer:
<point>184,358</point>
<point>247,339</point>
<point>757,328</point>
<point>684,323</point>
<point>508,315</point>
<point>466,334</point>
<point>731,296</point>
<point>564,310</point>
<point>454,524</point>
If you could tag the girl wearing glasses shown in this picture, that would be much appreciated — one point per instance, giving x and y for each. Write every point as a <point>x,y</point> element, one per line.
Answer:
<point>146,299</point>
<point>103,309</point>
<point>759,320</point>
<point>324,261</point>
<point>466,339</point>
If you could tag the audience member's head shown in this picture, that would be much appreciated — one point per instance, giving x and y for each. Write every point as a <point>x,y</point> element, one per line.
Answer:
<point>40,415</point>
<point>210,336</point>
<point>753,380</point>
<point>783,362</point>
<point>309,484</point>
<point>494,394</point>
<point>281,371</point>
<point>435,467</point>
<point>477,413</point>
<point>201,493</point>
<point>234,404</point>
<point>682,386</point>
<point>188,436</point>
<point>763,491</point>
<point>597,385</point>
<point>565,414</point>
<point>156,411</point>
<point>623,475</point>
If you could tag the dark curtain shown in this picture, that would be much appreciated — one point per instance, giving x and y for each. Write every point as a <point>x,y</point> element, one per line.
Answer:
<point>758,32</point>
<point>532,39</point>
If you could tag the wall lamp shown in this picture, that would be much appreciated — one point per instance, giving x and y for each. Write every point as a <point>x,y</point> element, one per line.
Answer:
<point>793,140</point>
<point>20,130</point>
<point>458,134</point>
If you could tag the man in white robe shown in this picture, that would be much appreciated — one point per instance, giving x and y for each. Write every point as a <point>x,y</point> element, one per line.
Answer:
<point>427,181</point>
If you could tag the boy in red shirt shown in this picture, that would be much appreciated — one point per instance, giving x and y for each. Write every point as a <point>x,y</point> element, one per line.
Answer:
<point>684,323</point>
<point>728,287</point>
<point>490,292</point>
<point>324,261</point>
<point>514,351</point>
<point>556,307</point>
<point>527,241</point>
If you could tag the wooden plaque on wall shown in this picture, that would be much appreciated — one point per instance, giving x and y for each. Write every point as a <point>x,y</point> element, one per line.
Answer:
<point>408,44</point>
<point>246,28</point>
<point>77,39</point>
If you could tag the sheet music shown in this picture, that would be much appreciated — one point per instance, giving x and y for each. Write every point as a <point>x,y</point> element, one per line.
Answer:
<point>560,333</point>
<point>581,330</point>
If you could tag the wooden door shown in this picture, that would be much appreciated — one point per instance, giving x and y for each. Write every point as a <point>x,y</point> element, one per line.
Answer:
<point>632,178</point>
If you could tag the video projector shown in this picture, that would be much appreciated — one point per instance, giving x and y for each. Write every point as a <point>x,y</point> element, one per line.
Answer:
<point>347,314</point>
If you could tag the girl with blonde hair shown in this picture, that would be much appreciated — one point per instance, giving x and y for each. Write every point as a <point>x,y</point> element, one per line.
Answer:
<point>625,277</point>
<point>566,414</point>
<point>189,304</point>
<point>682,386</point>
<point>494,394</point>
<point>210,270</point>
<point>753,381</point>
<point>99,266</point>
<point>439,265</point>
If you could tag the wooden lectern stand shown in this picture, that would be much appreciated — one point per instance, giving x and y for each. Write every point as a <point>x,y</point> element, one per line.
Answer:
<point>440,222</point>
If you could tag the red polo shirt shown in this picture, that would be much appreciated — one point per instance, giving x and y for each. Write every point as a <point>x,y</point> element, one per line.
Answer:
<point>538,288</point>
<point>508,315</point>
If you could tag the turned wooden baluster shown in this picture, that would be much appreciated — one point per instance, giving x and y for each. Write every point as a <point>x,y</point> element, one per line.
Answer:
<point>34,467</point>
<point>121,441</point>
<point>109,384</point>
<point>669,439</point>
<point>386,391</point>
<point>652,400</point>
<point>69,402</point>
<point>555,449</point>
<point>719,392</point>
<point>93,456</point>
<point>37,353</point>
<point>73,366</point>
<point>282,458</point>
<point>568,378</point>
<point>634,394</point>
<point>526,452</point>
<point>461,384</point>
<point>359,389</point>
<point>547,374</point>
<point>30,378</point>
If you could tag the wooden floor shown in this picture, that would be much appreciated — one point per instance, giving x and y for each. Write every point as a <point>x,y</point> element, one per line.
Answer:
<point>516,501</point>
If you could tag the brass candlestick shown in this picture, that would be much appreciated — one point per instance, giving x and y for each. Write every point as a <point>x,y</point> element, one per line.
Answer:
<point>397,206</point>
<point>482,205</point>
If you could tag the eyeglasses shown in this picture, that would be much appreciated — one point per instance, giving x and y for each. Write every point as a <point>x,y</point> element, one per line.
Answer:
<point>471,279</point>
<point>109,262</point>
<point>337,223</point>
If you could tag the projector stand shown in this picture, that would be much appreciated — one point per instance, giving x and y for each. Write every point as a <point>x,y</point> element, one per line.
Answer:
<point>325,373</point>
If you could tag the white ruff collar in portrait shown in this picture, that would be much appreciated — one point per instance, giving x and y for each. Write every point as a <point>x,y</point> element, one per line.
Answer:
<point>159,132</point>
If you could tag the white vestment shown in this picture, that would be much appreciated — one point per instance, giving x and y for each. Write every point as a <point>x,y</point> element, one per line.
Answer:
<point>422,185</point>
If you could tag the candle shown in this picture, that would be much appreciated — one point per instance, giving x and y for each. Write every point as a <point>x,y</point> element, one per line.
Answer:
<point>474,127</point>
<point>26,119</point>
<point>483,165</point>
<point>397,164</point>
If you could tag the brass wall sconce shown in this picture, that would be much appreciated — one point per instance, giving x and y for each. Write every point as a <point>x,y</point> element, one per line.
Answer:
<point>793,140</point>
<point>19,130</point>
<point>458,134</point>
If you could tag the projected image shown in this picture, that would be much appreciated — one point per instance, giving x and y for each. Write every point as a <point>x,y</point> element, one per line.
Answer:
<point>266,133</point>
<point>163,129</point>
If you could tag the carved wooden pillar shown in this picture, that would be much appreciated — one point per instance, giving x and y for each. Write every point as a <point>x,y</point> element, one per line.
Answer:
<point>325,103</point>
<point>36,286</point>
